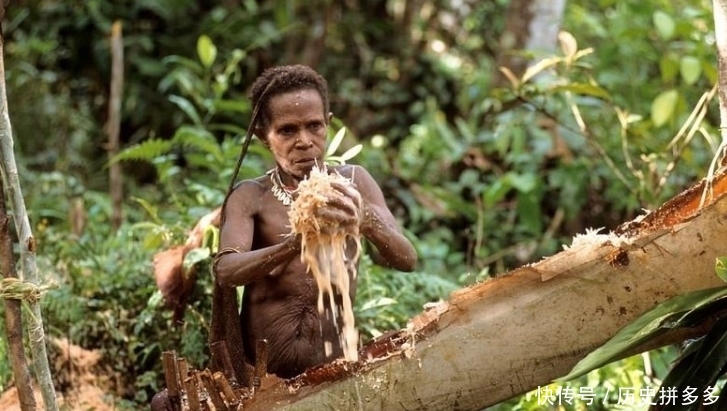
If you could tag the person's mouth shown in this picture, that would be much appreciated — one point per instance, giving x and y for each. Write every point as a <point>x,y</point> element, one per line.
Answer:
<point>305,161</point>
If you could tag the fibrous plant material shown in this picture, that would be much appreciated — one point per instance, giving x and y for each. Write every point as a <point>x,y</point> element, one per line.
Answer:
<point>325,249</point>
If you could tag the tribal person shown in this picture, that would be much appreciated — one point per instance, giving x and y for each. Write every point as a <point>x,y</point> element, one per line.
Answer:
<point>280,295</point>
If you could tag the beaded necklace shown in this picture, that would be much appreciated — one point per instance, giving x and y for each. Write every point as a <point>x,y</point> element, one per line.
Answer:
<point>279,190</point>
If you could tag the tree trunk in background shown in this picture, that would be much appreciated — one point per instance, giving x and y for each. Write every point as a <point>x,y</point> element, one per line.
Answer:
<point>507,336</point>
<point>531,26</point>
<point>116,184</point>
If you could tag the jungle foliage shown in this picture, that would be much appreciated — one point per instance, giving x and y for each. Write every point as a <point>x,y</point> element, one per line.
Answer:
<point>484,176</point>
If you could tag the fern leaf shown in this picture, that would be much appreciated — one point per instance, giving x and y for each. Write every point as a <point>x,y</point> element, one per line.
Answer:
<point>200,139</point>
<point>145,151</point>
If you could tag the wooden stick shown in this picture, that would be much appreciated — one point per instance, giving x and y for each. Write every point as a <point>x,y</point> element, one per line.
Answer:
<point>170,375</point>
<point>182,373</point>
<point>191,388</point>
<point>13,316</point>
<point>224,387</point>
<point>26,243</point>
<point>212,390</point>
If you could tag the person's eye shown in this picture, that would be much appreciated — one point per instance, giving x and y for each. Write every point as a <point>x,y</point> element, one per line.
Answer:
<point>316,127</point>
<point>287,131</point>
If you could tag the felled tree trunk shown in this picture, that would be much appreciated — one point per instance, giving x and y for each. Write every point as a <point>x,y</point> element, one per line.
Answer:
<point>507,336</point>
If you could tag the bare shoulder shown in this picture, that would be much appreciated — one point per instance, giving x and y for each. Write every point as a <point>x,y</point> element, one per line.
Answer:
<point>357,174</point>
<point>247,193</point>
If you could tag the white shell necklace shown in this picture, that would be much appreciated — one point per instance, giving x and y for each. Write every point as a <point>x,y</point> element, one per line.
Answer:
<point>282,193</point>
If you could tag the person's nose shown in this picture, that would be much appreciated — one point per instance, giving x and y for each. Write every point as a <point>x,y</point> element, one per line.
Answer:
<point>304,139</point>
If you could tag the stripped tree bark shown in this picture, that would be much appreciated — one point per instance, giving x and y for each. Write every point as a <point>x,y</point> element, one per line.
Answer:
<point>507,336</point>
<point>29,269</point>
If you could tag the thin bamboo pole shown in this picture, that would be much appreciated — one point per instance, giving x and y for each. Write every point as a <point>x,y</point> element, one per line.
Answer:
<point>29,269</point>
<point>13,316</point>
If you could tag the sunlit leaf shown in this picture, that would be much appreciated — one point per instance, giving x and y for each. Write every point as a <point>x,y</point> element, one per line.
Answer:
<point>152,210</point>
<point>153,241</point>
<point>539,67</point>
<point>664,24</point>
<point>377,303</point>
<point>510,77</point>
<point>568,43</point>
<point>206,51</point>
<point>663,107</point>
<point>211,238</point>
<point>351,152</point>
<point>335,142</point>
<point>721,268</point>
<point>690,68</point>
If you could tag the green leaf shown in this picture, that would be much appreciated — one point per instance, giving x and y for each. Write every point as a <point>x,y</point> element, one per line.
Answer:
<point>211,238</point>
<point>644,328</point>
<point>678,371</point>
<point>193,257</point>
<point>206,51</point>
<point>663,107</point>
<point>187,107</point>
<point>704,368</point>
<point>721,268</point>
<point>377,303</point>
<point>496,192</point>
<point>200,139</point>
<point>145,151</point>
<point>153,241</point>
<point>150,209</point>
<point>583,89</point>
<point>664,24</point>
<point>669,67</point>
<point>529,211</point>
<point>523,183</point>
<point>233,106</point>
<point>690,68</point>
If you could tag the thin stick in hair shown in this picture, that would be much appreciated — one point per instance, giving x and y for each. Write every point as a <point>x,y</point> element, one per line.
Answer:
<point>245,146</point>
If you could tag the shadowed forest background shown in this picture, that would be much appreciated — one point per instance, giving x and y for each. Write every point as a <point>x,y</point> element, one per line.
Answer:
<point>486,169</point>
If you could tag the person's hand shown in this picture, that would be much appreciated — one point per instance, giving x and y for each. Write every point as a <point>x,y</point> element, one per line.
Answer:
<point>342,209</point>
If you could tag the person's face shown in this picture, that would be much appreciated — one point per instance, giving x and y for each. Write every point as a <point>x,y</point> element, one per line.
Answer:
<point>297,130</point>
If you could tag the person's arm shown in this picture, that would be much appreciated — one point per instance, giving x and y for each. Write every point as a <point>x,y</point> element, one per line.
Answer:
<point>236,264</point>
<point>380,227</point>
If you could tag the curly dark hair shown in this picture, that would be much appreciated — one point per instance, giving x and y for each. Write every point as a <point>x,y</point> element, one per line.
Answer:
<point>283,79</point>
